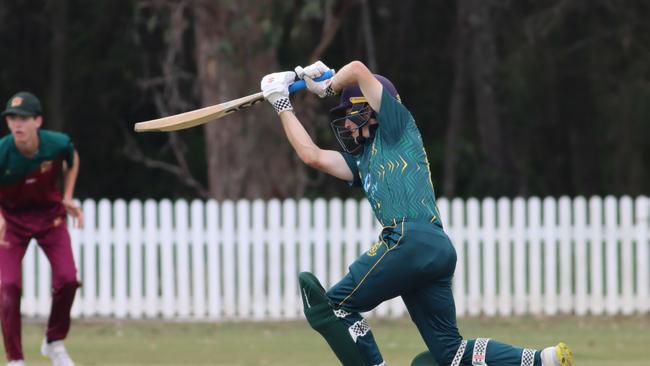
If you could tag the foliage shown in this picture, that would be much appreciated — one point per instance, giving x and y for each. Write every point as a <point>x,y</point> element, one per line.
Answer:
<point>571,85</point>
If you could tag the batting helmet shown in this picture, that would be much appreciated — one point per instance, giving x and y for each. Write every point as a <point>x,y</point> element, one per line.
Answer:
<point>355,108</point>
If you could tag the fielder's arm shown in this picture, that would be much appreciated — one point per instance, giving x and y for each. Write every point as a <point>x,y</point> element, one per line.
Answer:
<point>3,230</point>
<point>327,161</point>
<point>69,180</point>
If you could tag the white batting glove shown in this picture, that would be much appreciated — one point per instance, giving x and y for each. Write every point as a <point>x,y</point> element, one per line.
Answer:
<point>275,88</point>
<point>321,88</point>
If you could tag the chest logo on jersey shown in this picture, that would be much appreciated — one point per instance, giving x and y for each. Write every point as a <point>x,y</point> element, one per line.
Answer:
<point>46,166</point>
<point>373,249</point>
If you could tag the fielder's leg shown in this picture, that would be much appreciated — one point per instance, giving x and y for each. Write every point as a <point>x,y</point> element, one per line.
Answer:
<point>10,289</point>
<point>322,317</point>
<point>57,247</point>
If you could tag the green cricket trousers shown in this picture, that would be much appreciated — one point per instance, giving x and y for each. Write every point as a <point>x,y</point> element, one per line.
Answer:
<point>415,260</point>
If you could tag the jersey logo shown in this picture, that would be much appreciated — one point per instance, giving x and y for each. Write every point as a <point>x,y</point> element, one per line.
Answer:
<point>57,222</point>
<point>46,166</point>
<point>373,249</point>
<point>30,181</point>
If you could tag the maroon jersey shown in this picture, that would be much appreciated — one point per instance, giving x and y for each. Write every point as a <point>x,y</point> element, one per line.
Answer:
<point>30,195</point>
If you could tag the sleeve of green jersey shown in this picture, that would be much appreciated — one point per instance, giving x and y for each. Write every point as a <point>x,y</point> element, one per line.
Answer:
<point>58,144</point>
<point>67,148</point>
<point>393,117</point>
<point>351,160</point>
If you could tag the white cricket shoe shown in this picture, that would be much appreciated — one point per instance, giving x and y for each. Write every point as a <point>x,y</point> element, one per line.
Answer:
<point>57,353</point>
<point>16,363</point>
<point>559,355</point>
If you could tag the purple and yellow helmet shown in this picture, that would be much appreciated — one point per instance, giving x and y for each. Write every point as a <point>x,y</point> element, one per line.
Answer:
<point>354,107</point>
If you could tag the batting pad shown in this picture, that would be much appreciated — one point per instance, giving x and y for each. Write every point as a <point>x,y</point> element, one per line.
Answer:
<point>424,359</point>
<point>320,315</point>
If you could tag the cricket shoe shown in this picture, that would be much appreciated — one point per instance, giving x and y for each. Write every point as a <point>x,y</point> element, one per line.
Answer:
<point>559,355</point>
<point>16,363</point>
<point>57,353</point>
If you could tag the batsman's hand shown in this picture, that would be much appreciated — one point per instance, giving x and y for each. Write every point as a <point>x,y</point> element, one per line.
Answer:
<point>321,88</point>
<point>275,88</point>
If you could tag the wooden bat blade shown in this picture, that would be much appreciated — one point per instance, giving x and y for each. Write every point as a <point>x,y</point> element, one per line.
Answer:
<point>199,116</point>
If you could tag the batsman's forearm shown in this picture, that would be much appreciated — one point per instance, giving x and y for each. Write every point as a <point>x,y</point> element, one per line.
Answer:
<point>299,138</point>
<point>357,73</point>
<point>70,178</point>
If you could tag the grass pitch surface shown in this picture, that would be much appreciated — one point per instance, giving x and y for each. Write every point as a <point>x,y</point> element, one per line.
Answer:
<point>596,341</point>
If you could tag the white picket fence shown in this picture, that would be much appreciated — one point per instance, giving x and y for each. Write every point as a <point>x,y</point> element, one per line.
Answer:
<point>239,260</point>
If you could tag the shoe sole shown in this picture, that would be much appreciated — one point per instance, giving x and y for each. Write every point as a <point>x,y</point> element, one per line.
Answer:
<point>564,354</point>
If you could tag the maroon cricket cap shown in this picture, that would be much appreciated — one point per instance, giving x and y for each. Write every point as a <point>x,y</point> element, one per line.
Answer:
<point>354,91</point>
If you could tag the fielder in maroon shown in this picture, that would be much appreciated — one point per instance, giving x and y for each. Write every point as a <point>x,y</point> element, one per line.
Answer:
<point>32,206</point>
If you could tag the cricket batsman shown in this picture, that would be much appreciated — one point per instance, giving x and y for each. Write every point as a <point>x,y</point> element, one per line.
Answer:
<point>32,207</point>
<point>382,152</point>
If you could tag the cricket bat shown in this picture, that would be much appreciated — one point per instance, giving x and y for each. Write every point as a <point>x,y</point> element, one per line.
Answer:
<point>204,115</point>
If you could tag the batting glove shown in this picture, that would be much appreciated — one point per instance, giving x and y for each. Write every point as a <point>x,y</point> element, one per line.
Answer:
<point>275,88</point>
<point>321,88</point>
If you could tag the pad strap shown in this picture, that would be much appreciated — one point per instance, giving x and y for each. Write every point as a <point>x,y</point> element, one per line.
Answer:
<point>528,357</point>
<point>459,354</point>
<point>359,329</point>
<point>478,354</point>
<point>356,330</point>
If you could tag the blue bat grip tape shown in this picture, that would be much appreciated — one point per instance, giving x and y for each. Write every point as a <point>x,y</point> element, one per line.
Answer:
<point>300,84</point>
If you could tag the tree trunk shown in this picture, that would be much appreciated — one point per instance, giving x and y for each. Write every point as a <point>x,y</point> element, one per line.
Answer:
<point>247,155</point>
<point>629,170</point>
<point>58,24</point>
<point>369,40</point>
<point>458,101</point>
<point>484,77</point>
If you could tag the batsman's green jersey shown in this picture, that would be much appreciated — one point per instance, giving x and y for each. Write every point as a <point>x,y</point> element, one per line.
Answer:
<point>393,168</point>
<point>413,257</point>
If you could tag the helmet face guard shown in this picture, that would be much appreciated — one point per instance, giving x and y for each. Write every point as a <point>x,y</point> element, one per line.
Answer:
<point>359,115</point>
<point>354,107</point>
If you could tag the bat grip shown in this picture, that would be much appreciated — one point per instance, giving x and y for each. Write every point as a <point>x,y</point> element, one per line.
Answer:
<point>300,84</point>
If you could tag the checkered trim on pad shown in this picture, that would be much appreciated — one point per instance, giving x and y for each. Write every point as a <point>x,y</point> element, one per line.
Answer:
<point>528,357</point>
<point>459,354</point>
<point>478,356</point>
<point>341,313</point>
<point>359,329</point>
<point>282,104</point>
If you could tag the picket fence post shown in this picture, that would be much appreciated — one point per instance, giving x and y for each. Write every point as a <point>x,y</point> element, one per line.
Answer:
<point>208,260</point>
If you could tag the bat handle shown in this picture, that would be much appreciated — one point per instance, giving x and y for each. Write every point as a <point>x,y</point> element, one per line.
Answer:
<point>300,84</point>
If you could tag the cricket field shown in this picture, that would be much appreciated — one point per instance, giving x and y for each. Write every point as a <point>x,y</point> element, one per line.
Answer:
<point>596,341</point>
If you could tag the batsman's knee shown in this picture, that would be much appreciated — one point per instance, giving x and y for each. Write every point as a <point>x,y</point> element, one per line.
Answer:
<point>424,359</point>
<point>321,317</point>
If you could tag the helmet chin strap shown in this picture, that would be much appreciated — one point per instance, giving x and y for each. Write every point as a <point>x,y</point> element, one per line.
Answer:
<point>372,130</point>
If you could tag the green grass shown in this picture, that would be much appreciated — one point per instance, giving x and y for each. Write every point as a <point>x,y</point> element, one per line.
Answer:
<point>595,341</point>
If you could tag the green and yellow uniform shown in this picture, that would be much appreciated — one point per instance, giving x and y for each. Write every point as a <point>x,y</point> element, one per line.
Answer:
<point>413,257</point>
